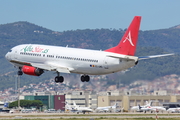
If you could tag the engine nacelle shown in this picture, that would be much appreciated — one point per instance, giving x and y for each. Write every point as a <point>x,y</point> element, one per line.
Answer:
<point>29,70</point>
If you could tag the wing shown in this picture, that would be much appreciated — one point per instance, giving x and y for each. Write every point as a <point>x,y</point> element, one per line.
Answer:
<point>154,56</point>
<point>53,67</point>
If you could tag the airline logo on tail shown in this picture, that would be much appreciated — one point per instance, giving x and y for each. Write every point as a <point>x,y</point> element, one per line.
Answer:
<point>127,45</point>
<point>129,39</point>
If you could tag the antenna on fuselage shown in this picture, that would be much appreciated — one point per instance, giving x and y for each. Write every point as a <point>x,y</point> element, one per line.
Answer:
<point>66,45</point>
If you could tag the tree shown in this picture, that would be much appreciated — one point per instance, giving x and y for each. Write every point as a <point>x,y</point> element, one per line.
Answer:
<point>37,103</point>
<point>27,104</point>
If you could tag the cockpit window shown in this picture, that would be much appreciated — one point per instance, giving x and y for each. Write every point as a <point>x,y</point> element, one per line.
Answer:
<point>10,51</point>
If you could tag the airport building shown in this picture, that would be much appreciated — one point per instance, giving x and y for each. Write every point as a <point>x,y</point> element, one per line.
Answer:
<point>49,101</point>
<point>81,98</point>
<point>125,100</point>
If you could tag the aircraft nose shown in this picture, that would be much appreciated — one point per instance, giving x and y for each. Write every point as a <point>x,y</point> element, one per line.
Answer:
<point>7,56</point>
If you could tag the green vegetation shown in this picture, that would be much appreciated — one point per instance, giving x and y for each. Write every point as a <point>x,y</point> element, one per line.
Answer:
<point>27,104</point>
<point>150,43</point>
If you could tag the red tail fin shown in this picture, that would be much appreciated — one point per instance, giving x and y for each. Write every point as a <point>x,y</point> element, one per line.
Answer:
<point>127,45</point>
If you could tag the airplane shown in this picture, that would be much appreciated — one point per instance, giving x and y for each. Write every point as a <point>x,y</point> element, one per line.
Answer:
<point>153,108</point>
<point>174,110</point>
<point>148,107</point>
<point>74,104</point>
<point>106,108</point>
<point>34,59</point>
<point>142,108</point>
<point>157,109</point>
<point>81,109</point>
<point>68,107</point>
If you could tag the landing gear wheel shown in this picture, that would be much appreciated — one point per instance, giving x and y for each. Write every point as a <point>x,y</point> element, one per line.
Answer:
<point>82,78</point>
<point>59,79</point>
<point>56,79</point>
<point>85,78</point>
<point>20,72</point>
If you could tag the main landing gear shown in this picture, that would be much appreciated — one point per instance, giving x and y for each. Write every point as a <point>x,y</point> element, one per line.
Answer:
<point>59,78</point>
<point>85,78</point>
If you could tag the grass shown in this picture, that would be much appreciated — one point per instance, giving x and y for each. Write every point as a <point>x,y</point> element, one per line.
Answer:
<point>73,116</point>
<point>103,119</point>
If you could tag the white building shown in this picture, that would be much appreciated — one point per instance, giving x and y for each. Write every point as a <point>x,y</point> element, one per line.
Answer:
<point>82,98</point>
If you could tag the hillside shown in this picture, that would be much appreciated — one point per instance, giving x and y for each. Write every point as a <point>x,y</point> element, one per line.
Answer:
<point>163,38</point>
<point>150,43</point>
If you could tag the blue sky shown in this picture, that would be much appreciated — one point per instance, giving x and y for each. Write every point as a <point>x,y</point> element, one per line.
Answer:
<point>62,15</point>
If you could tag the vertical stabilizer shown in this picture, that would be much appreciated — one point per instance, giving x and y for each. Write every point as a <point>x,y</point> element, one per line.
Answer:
<point>148,104</point>
<point>74,104</point>
<point>127,45</point>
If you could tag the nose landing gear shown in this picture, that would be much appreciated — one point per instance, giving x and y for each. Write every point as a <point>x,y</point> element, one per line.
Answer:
<point>20,72</point>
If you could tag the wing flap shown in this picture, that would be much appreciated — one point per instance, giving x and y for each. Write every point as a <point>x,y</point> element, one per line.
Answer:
<point>42,66</point>
<point>63,70</point>
<point>53,67</point>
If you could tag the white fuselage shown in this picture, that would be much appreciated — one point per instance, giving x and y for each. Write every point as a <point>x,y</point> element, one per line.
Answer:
<point>83,109</point>
<point>173,110</point>
<point>157,108</point>
<point>80,61</point>
<point>106,108</point>
<point>152,108</point>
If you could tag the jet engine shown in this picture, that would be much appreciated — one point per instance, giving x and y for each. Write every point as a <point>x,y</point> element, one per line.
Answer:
<point>29,70</point>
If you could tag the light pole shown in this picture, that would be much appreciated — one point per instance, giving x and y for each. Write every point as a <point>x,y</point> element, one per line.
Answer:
<point>18,92</point>
<point>18,84</point>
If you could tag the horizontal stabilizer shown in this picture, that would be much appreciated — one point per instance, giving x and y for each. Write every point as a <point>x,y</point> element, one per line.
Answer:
<point>125,57</point>
<point>154,56</point>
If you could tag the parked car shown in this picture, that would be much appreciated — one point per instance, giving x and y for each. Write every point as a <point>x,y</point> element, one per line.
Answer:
<point>26,110</point>
<point>14,111</point>
<point>59,111</point>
